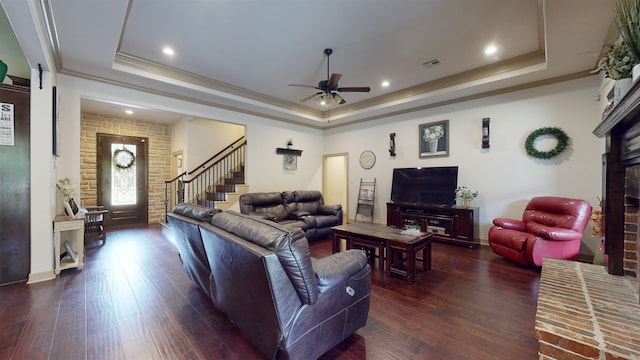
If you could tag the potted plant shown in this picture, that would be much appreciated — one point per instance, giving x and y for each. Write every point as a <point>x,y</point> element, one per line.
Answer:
<point>465,195</point>
<point>617,63</point>
<point>628,21</point>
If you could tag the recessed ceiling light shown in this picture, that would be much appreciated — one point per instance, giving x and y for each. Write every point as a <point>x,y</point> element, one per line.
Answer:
<point>490,50</point>
<point>168,50</point>
<point>385,83</point>
<point>130,112</point>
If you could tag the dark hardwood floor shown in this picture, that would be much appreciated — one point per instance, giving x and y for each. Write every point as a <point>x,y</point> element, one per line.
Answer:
<point>133,301</point>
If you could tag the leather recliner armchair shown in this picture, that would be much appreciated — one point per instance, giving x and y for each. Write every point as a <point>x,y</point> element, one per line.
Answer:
<point>550,227</point>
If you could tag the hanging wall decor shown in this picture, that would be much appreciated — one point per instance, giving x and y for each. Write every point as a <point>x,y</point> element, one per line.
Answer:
<point>290,158</point>
<point>433,139</point>
<point>290,162</point>
<point>123,158</point>
<point>561,137</point>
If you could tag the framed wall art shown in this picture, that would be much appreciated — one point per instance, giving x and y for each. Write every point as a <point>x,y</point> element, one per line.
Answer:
<point>290,162</point>
<point>433,139</point>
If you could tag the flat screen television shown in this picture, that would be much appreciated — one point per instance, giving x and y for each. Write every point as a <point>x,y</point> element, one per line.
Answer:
<point>427,185</point>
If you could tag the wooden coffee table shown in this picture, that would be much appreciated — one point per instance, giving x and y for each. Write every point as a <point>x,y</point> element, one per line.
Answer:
<point>391,244</point>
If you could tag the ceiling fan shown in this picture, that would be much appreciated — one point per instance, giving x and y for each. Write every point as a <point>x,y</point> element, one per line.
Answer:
<point>329,89</point>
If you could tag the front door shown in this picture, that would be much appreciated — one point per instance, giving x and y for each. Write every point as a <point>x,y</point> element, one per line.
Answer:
<point>122,178</point>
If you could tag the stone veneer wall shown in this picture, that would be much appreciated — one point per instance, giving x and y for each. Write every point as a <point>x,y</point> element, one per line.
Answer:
<point>159,162</point>
<point>585,313</point>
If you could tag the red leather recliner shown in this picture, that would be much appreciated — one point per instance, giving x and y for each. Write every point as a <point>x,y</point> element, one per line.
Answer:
<point>550,227</point>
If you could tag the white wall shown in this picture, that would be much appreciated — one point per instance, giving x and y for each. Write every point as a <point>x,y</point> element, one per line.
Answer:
<point>43,179</point>
<point>202,138</point>
<point>504,175</point>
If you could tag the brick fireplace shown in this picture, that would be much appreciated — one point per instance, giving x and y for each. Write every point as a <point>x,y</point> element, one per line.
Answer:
<point>631,218</point>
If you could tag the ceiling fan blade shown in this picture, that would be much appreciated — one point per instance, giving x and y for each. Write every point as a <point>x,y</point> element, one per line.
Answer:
<point>307,86</point>
<point>354,89</point>
<point>333,81</point>
<point>310,96</point>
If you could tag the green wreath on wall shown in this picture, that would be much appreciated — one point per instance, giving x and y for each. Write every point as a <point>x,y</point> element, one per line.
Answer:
<point>557,133</point>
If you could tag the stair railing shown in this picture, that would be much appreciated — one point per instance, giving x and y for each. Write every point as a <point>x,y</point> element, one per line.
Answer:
<point>209,181</point>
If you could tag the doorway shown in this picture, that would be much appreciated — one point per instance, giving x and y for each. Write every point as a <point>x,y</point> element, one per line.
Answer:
<point>335,184</point>
<point>176,163</point>
<point>122,178</point>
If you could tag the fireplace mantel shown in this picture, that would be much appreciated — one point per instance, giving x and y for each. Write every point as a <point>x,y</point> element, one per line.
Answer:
<point>625,111</point>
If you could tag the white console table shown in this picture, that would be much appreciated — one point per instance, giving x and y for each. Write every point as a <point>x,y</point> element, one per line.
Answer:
<point>76,227</point>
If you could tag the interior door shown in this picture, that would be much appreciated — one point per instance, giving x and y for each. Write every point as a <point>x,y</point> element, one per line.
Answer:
<point>122,178</point>
<point>15,184</point>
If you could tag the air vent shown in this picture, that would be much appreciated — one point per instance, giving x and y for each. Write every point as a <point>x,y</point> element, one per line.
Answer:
<point>431,63</point>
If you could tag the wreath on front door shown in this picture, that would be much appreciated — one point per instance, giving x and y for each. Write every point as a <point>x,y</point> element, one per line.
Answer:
<point>123,159</point>
<point>557,133</point>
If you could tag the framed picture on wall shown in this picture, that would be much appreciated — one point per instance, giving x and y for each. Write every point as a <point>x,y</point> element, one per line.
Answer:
<point>290,162</point>
<point>433,139</point>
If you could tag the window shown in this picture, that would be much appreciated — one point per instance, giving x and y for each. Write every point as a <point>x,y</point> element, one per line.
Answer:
<point>123,174</point>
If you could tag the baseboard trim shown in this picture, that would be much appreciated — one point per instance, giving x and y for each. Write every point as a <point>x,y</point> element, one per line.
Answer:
<point>42,276</point>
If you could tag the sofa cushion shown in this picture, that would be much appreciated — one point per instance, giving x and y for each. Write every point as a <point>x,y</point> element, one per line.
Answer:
<point>196,212</point>
<point>274,213</point>
<point>290,245</point>
<point>266,204</point>
<point>558,212</point>
<point>307,196</point>
<point>308,201</point>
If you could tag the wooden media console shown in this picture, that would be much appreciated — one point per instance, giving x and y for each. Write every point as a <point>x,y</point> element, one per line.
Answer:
<point>451,224</point>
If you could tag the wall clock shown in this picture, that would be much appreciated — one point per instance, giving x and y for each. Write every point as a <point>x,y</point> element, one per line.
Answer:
<point>367,159</point>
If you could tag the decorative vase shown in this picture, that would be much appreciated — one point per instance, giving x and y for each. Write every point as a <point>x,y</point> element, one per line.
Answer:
<point>433,145</point>
<point>465,202</point>
<point>635,72</point>
<point>74,207</point>
<point>620,89</point>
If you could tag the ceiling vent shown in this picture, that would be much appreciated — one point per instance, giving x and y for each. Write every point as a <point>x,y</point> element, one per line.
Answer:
<point>431,63</point>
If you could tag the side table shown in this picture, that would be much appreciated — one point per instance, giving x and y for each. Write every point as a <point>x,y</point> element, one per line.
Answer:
<point>64,223</point>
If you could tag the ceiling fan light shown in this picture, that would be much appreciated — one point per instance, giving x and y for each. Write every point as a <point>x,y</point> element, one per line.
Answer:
<point>338,99</point>
<point>324,99</point>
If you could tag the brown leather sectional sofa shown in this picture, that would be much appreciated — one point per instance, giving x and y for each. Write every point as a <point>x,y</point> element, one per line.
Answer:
<point>261,275</point>
<point>304,209</point>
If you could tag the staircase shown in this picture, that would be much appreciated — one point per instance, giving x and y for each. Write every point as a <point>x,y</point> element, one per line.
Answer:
<point>222,196</point>
<point>216,183</point>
